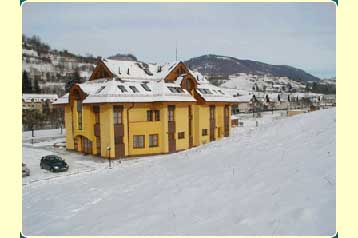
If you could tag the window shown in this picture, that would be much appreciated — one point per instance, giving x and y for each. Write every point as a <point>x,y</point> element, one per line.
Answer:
<point>204,132</point>
<point>149,115</point>
<point>175,89</point>
<point>138,141</point>
<point>153,140</point>
<point>212,112</point>
<point>117,115</point>
<point>146,88</point>
<point>181,135</point>
<point>80,120</point>
<point>204,91</point>
<point>171,113</point>
<point>100,89</point>
<point>134,89</point>
<point>122,88</point>
<point>96,113</point>
<point>157,115</point>
<point>79,113</point>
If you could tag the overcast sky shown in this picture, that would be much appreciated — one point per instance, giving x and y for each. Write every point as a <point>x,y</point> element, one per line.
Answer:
<point>299,34</point>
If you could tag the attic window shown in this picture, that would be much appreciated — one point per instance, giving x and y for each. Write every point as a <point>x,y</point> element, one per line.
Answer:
<point>146,88</point>
<point>100,89</point>
<point>134,89</point>
<point>176,90</point>
<point>204,91</point>
<point>122,88</point>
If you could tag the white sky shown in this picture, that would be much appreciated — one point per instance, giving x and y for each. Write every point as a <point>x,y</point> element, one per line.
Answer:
<point>302,35</point>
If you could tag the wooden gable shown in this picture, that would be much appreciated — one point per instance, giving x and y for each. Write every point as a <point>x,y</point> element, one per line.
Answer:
<point>179,69</point>
<point>101,71</point>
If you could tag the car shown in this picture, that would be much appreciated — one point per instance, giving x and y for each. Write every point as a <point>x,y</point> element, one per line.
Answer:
<point>25,170</point>
<point>53,163</point>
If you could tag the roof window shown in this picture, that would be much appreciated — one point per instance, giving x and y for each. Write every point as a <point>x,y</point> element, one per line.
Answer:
<point>134,89</point>
<point>146,88</point>
<point>122,88</point>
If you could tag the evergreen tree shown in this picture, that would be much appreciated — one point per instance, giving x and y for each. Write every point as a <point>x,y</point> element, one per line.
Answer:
<point>74,80</point>
<point>26,83</point>
<point>36,88</point>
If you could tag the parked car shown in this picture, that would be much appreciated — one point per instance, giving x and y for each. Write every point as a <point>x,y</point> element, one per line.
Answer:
<point>25,170</point>
<point>53,163</point>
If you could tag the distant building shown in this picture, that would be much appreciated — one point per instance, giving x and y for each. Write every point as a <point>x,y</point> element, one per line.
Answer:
<point>31,101</point>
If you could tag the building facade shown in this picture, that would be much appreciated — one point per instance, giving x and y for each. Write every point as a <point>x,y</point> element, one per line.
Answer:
<point>129,108</point>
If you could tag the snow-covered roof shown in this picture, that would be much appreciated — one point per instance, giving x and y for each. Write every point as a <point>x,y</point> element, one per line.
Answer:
<point>133,91</point>
<point>62,100</point>
<point>33,97</point>
<point>212,93</point>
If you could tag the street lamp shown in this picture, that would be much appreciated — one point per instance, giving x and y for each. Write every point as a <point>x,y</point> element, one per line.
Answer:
<point>109,156</point>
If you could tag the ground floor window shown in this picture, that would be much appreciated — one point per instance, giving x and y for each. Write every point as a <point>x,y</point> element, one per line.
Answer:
<point>138,141</point>
<point>181,135</point>
<point>204,132</point>
<point>153,140</point>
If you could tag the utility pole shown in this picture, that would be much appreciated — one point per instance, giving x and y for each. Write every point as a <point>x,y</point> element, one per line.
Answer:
<point>176,51</point>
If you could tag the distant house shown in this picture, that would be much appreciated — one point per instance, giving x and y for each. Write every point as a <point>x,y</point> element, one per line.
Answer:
<point>31,101</point>
<point>128,108</point>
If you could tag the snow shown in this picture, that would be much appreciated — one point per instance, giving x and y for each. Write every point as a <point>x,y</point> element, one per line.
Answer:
<point>28,97</point>
<point>274,179</point>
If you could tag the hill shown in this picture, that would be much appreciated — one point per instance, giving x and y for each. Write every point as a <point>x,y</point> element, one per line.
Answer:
<point>223,66</point>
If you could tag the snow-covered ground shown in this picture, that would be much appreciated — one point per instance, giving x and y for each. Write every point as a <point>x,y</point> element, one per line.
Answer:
<point>274,179</point>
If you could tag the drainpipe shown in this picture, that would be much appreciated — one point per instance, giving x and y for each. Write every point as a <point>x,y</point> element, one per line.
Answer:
<point>128,124</point>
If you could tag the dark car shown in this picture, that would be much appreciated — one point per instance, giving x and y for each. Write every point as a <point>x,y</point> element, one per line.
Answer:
<point>53,163</point>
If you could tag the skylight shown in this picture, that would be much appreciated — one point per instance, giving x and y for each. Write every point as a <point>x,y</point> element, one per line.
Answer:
<point>100,89</point>
<point>146,88</point>
<point>134,89</point>
<point>204,91</point>
<point>176,89</point>
<point>122,88</point>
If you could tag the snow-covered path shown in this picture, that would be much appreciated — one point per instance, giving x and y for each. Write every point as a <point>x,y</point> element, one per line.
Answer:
<point>277,179</point>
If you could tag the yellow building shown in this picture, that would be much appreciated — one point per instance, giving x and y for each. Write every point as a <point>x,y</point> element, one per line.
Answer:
<point>129,108</point>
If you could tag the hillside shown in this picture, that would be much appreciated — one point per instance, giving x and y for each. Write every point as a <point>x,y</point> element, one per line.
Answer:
<point>275,179</point>
<point>216,65</point>
<point>52,68</point>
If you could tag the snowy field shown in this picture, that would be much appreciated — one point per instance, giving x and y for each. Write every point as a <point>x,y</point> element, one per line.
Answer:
<point>274,179</point>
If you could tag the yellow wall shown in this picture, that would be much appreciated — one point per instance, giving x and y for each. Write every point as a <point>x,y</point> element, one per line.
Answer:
<point>138,125</point>
<point>107,134</point>
<point>68,124</point>
<point>182,125</point>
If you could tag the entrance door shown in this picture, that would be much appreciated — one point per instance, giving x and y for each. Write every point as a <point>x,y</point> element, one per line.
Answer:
<point>171,129</point>
<point>86,146</point>
<point>212,123</point>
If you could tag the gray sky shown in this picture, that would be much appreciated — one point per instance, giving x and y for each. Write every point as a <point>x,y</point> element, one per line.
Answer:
<point>302,35</point>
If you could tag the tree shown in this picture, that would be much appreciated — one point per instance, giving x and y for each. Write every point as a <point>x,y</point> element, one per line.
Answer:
<point>26,83</point>
<point>36,88</point>
<point>74,80</point>
<point>32,119</point>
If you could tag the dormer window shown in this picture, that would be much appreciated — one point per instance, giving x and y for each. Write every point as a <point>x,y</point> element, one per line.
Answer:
<point>100,89</point>
<point>122,88</point>
<point>176,90</point>
<point>134,89</point>
<point>146,88</point>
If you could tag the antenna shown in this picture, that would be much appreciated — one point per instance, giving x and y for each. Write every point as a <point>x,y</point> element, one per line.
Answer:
<point>176,51</point>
